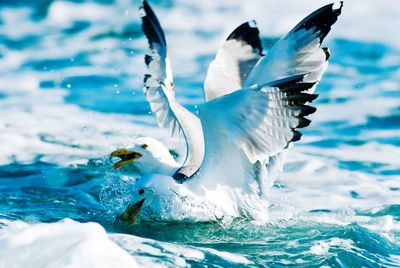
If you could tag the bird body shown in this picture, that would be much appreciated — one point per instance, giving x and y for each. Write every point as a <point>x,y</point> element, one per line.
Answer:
<point>255,105</point>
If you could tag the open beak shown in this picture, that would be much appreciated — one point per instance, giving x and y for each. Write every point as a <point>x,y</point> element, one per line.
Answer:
<point>125,156</point>
<point>131,212</point>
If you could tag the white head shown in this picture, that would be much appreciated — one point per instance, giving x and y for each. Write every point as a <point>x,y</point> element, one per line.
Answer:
<point>147,155</point>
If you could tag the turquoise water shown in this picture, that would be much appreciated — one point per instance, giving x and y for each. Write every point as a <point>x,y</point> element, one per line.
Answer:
<point>71,92</point>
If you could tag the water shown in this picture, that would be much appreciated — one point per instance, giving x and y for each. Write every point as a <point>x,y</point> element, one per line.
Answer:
<point>71,92</point>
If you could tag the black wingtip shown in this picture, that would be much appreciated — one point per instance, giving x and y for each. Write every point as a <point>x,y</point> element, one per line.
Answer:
<point>147,59</point>
<point>322,19</point>
<point>296,136</point>
<point>248,32</point>
<point>303,122</point>
<point>292,88</point>
<point>327,53</point>
<point>151,26</point>
<point>296,97</point>
<point>304,109</point>
<point>300,98</point>
<point>146,77</point>
<point>145,7</point>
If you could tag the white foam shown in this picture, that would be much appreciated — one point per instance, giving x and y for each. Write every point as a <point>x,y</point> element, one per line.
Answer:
<point>146,250</point>
<point>72,244</point>
<point>323,247</point>
<point>64,12</point>
<point>62,244</point>
<point>40,123</point>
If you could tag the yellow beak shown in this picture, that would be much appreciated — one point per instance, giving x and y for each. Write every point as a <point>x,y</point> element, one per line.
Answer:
<point>125,156</point>
<point>131,212</point>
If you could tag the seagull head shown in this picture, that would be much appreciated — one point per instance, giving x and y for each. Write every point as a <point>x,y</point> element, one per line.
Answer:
<point>147,155</point>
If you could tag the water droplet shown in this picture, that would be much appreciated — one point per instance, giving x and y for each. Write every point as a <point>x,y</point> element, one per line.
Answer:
<point>117,91</point>
<point>68,85</point>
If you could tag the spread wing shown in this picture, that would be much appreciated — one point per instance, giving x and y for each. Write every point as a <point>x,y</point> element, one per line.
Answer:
<point>159,70</point>
<point>262,121</point>
<point>159,92</point>
<point>299,51</point>
<point>243,129</point>
<point>234,61</point>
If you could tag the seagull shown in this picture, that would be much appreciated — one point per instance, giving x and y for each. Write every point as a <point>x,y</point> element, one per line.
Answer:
<point>254,106</point>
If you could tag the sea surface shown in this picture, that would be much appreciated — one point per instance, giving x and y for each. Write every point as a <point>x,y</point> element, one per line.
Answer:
<point>71,77</point>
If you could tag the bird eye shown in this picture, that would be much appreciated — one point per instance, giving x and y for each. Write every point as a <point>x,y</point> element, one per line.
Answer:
<point>141,191</point>
<point>144,146</point>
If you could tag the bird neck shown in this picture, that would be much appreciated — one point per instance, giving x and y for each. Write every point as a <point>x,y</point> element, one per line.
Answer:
<point>168,168</point>
<point>193,132</point>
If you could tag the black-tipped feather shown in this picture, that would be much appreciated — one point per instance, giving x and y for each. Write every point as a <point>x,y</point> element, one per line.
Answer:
<point>148,59</point>
<point>249,34</point>
<point>303,122</point>
<point>296,96</point>
<point>322,19</point>
<point>296,137</point>
<point>301,98</point>
<point>296,88</point>
<point>304,109</point>
<point>151,26</point>
<point>327,53</point>
<point>146,77</point>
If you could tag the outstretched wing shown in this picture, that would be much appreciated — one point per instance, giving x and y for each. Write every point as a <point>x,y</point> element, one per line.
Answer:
<point>159,92</point>
<point>159,70</point>
<point>242,130</point>
<point>234,61</point>
<point>261,121</point>
<point>299,51</point>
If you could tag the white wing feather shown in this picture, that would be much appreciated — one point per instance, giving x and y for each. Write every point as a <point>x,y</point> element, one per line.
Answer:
<point>245,131</point>
<point>159,70</point>
<point>159,92</point>
<point>262,121</point>
<point>234,61</point>
<point>299,51</point>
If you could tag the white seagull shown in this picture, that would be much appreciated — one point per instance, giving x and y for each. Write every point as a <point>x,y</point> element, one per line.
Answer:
<point>254,105</point>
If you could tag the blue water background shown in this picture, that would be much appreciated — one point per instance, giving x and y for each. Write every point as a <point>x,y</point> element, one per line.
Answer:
<point>44,191</point>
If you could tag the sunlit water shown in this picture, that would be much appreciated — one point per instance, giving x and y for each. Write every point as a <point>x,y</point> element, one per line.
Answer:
<point>71,92</point>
